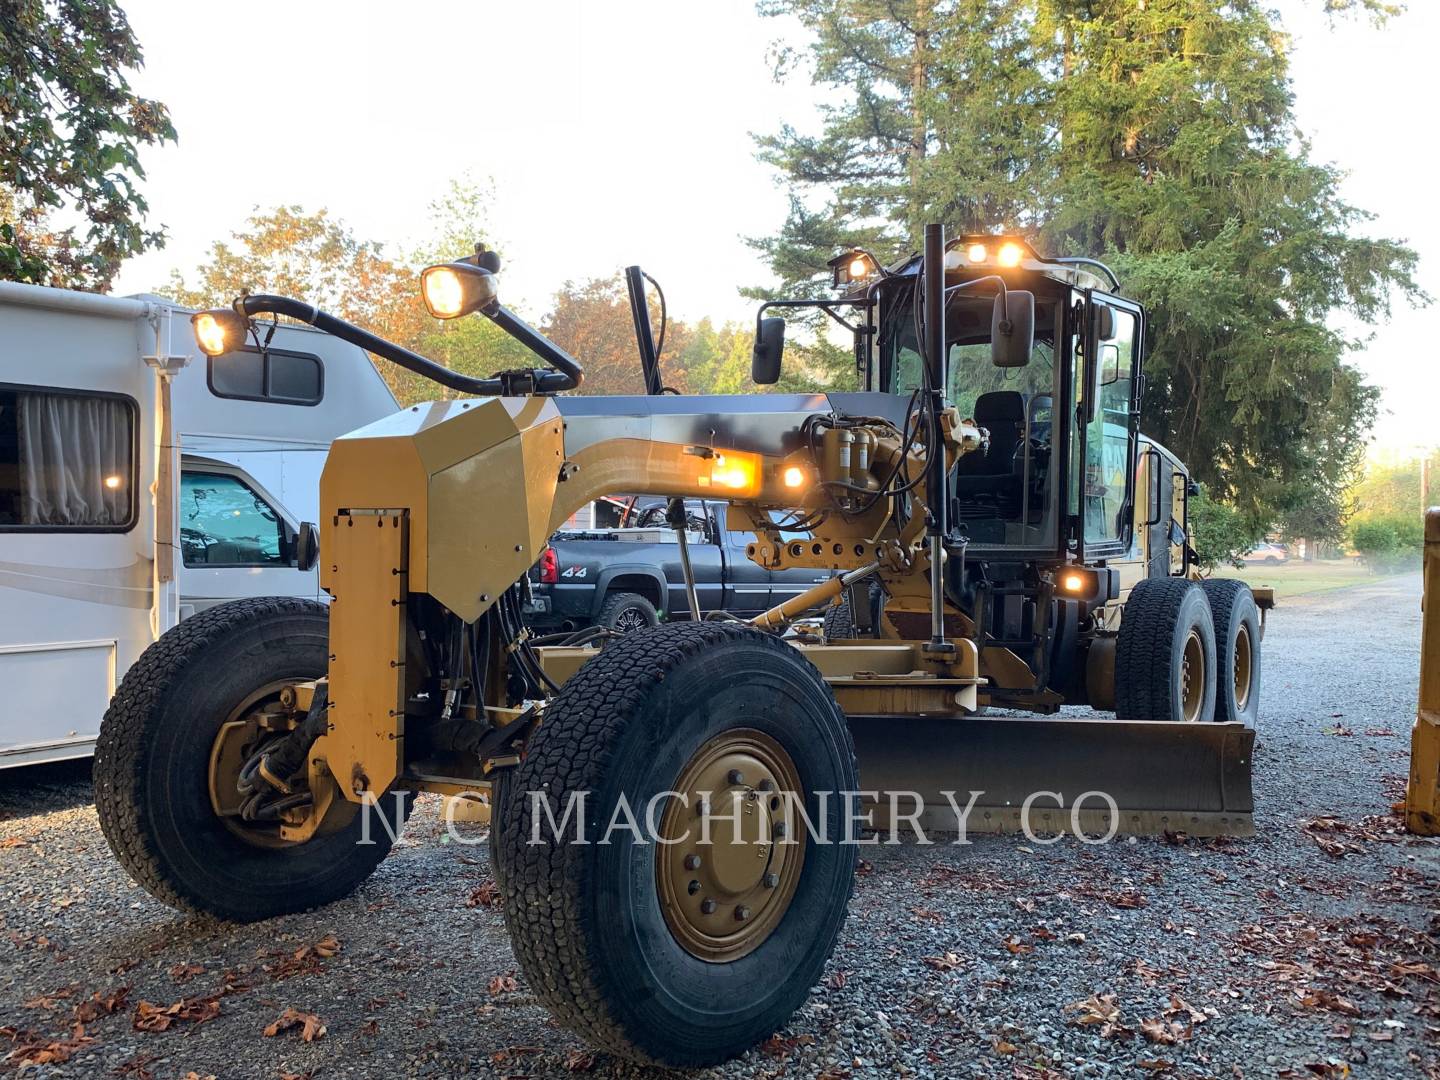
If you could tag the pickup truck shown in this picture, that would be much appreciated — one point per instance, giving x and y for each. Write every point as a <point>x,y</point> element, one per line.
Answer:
<point>629,577</point>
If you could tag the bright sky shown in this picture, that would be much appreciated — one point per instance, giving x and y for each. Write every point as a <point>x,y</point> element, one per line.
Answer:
<point>620,132</point>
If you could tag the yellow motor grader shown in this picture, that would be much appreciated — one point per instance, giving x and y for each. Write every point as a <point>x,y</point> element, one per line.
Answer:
<point>676,810</point>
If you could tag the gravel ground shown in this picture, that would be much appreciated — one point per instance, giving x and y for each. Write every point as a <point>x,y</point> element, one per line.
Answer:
<point>1305,951</point>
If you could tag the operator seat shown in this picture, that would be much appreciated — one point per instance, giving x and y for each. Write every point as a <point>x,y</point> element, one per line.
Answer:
<point>989,483</point>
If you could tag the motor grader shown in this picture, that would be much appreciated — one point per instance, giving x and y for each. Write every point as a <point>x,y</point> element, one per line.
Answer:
<point>676,810</point>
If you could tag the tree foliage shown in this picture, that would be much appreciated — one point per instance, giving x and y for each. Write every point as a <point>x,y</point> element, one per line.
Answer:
<point>1219,533</point>
<point>1157,136</point>
<point>71,130</point>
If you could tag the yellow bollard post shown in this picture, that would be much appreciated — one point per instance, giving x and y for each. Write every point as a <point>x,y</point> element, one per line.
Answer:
<point>1422,794</point>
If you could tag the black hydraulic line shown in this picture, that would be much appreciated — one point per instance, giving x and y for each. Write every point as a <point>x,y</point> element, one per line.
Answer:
<point>644,333</point>
<point>566,376</point>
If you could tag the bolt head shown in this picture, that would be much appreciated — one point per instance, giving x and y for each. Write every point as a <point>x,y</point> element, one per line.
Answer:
<point>772,880</point>
<point>692,862</point>
<point>735,777</point>
<point>742,913</point>
<point>707,907</point>
<point>766,785</point>
<point>781,830</point>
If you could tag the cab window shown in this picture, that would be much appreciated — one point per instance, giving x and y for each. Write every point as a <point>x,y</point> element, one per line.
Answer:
<point>1108,435</point>
<point>225,522</point>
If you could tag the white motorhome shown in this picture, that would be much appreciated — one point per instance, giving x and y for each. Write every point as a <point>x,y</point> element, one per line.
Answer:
<point>141,482</point>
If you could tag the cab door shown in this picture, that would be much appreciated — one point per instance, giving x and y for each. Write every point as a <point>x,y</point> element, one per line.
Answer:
<point>1108,384</point>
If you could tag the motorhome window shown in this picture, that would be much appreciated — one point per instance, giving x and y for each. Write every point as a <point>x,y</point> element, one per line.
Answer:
<point>224,522</point>
<point>286,378</point>
<point>67,461</point>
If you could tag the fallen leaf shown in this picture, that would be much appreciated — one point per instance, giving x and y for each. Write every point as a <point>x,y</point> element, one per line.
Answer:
<point>487,895</point>
<point>32,1049</point>
<point>1016,946</point>
<point>1155,1064</point>
<point>309,1024</point>
<point>580,1061</point>
<point>1165,1032</point>
<point>503,984</point>
<point>100,1005</point>
<point>198,1010</point>
<point>948,962</point>
<point>183,972</point>
<point>837,980</point>
<point>1000,1046</point>
<point>1099,1010</point>
<point>514,1053</point>
<point>1325,999</point>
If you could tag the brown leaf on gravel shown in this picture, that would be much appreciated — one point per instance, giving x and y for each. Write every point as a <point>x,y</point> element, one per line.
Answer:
<point>183,972</point>
<point>1016,946</point>
<point>580,1061</point>
<point>1326,999</point>
<point>303,961</point>
<point>1155,1064</point>
<point>298,1076</point>
<point>100,1004</point>
<point>487,895</point>
<point>926,915</point>
<point>1099,1010</point>
<point>834,1074</point>
<point>193,1075</point>
<point>948,962</point>
<point>1333,1070</point>
<point>1166,1032</point>
<point>138,1067</point>
<point>1180,1007</point>
<point>1000,1046</point>
<point>33,1049</point>
<point>1125,898</point>
<point>515,1053</point>
<point>309,1024</point>
<point>197,1010</point>
<point>781,1047</point>
<point>836,980</point>
<point>49,1002</point>
<point>12,842</point>
<point>863,867</point>
<point>1043,933</point>
<point>503,984</point>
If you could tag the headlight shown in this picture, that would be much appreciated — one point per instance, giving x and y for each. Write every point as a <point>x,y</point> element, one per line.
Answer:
<point>218,331</point>
<point>456,289</point>
<point>1010,254</point>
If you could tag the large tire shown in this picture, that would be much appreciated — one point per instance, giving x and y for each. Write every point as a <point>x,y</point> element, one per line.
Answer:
<point>1237,650</point>
<point>626,612</point>
<point>152,763</point>
<point>587,921</point>
<point>1166,633</point>
<point>838,624</point>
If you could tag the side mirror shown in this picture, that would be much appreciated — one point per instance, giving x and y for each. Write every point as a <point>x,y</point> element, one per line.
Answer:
<point>307,546</point>
<point>1012,329</point>
<point>1104,322</point>
<point>769,347</point>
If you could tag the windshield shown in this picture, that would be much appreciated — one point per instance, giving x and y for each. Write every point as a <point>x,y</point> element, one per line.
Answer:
<point>1006,492</point>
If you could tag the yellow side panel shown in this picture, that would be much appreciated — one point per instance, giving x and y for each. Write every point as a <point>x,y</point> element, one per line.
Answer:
<point>369,586</point>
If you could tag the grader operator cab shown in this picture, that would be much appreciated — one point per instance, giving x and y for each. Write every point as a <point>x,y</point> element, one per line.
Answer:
<point>676,810</point>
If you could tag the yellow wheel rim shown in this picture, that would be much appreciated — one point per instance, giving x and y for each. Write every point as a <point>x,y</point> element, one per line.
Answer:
<point>1243,662</point>
<point>1192,678</point>
<point>729,861</point>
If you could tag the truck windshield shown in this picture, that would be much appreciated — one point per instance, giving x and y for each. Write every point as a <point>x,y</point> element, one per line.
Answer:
<point>1006,492</point>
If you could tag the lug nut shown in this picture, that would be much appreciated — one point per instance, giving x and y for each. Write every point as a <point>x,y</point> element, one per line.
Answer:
<point>692,862</point>
<point>772,880</point>
<point>736,777</point>
<point>707,907</point>
<point>742,913</point>
<point>767,785</point>
<point>780,830</point>
<point>694,887</point>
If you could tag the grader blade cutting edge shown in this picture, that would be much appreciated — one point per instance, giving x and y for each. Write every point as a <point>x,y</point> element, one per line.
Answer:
<point>1163,777</point>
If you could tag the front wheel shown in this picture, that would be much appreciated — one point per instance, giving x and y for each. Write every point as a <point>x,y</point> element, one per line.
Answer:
<point>175,732</point>
<point>665,897</point>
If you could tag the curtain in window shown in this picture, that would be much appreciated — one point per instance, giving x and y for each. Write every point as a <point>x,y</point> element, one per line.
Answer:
<point>70,446</point>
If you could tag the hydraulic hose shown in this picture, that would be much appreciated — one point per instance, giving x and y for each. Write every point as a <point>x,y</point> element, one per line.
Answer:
<point>565,373</point>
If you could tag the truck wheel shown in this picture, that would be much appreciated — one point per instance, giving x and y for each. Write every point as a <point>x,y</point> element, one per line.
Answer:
<point>625,612</point>
<point>1165,656</point>
<point>1237,650</point>
<point>647,940</point>
<point>160,740</point>
<point>838,624</point>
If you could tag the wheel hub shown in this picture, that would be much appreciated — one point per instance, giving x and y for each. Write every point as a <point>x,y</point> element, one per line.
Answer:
<point>724,869</point>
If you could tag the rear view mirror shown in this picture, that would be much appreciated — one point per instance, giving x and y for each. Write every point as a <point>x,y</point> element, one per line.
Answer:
<point>1104,322</point>
<point>307,546</point>
<point>1012,329</point>
<point>769,347</point>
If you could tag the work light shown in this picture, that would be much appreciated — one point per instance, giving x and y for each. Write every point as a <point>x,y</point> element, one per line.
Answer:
<point>454,289</point>
<point>219,330</point>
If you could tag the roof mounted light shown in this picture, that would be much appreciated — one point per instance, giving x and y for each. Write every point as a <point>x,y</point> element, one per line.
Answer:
<point>850,267</point>
<point>219,330</point>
